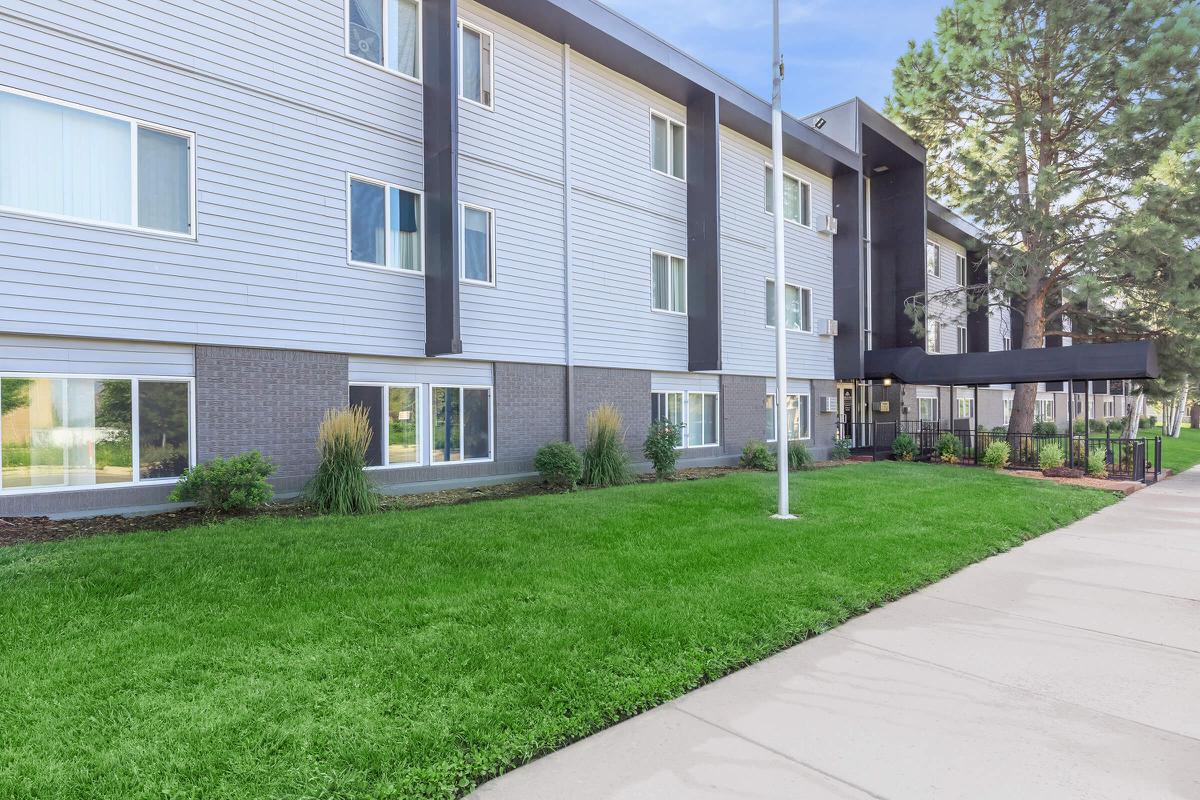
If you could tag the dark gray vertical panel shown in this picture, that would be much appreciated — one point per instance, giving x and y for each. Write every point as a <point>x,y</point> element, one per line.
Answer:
<point>848,275</point>
<point>908,219</point>
<point>978,330</point>
<point>371,399</point>
<point>704,233</point>
<point>1016,325</point>
<point>439,72</point>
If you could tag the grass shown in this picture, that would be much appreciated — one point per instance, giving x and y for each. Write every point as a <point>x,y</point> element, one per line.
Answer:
<point>1178,454</point>
<point>416,653</point>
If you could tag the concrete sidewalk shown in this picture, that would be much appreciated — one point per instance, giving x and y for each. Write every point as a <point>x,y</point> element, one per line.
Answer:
<point>1068,668</point>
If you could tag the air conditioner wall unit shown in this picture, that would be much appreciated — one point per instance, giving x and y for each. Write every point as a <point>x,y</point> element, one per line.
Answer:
<point>830,225</point>
<point>829,327</point>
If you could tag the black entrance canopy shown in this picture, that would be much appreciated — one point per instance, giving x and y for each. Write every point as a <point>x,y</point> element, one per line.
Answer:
<point>1082,362</point>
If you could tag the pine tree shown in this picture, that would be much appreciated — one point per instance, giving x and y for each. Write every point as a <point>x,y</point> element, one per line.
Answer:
<point>1069,130</point>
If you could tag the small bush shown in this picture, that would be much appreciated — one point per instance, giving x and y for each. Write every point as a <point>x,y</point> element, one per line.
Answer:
<point>1078,427</point>
<point>341,485</point>
<point>799,457</point>
<point>904,447</point>
<point>559,465</point>
<point>948,448</point>
<point>1051,457</point>
<point>1116,427</point>
<point>659,448</point>
<point>756,455</point>
<point>1000,429</point>
<point>841,449</point>
<point>605,462</point>
<point>1045,428</point>
<point>1097,463</point>
<point>996,455</point>
<point>227,484</point>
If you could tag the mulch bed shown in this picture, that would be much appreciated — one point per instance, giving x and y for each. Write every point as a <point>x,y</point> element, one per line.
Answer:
<point>28,530</point>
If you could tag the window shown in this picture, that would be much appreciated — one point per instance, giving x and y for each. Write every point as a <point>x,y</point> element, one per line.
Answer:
<point>965,407</point>
<point>386,33</point>
<point>797,198</point>
<point>478,251</point>
<point>1109,406</point>
<point>475,64</point>
<point>667,407</point>
<point>68,162</point>
<point>1006,343</point>
<point>933,259</point>
<point>667,146</point>
<point>933,336</point>
<point>385,226</point>
<point>797,306</point>
<point>461,424</point>
<point>1007,409</point>
<point>702,419</point>
<point>927,409</point>
<point>962,339</point>
<point>799,424</point>
<point>1043,410</point>
<point>62,432</point>
<point>668,283</point>
<point>960,269</point>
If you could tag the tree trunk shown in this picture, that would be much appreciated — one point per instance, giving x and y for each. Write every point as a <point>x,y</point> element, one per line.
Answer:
<point>1133,416</point>
<point>1177,409</point>
<point>1033,338</point>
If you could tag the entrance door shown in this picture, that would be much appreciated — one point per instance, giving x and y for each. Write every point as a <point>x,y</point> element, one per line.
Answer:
<point>846,415</point>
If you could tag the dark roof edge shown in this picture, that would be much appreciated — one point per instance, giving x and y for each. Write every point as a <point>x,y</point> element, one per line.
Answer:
<point>601,34</point>
<point>943,221</point>
<point>889,130</point>
<point>1112,361</point>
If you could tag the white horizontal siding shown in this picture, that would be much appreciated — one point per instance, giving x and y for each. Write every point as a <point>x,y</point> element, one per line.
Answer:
<point>61,356</point>
<point>684,382</point>
<point>950,310</point>
<point>424,370</point>
<point>795,386</point>
<point>748,261</point>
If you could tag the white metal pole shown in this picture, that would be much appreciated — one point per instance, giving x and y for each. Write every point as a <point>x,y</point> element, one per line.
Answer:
<point>781,375</point>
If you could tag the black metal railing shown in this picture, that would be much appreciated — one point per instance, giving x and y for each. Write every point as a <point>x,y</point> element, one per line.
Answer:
<point>860,434</point>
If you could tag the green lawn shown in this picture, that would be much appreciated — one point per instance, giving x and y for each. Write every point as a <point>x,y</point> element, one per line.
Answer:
<point>415,653</point>
<point>1178,454</point>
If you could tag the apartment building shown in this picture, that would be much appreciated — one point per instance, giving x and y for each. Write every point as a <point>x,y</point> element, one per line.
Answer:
<point>478,219</point>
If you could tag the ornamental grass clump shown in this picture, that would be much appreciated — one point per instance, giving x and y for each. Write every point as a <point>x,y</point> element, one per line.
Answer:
<point>341,486</point>
<point>605,462</point>
<point>799,456</point>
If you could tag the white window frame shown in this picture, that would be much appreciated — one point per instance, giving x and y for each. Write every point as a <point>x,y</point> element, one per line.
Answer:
<point>935,268</point>
<point>961,332</point>
<point>933,337</point>
<point>936,410</point>
<point>1006,343</point>
<point>1007,409</point>
<point>687,410</point>
<point>461,439</point>
<point>489,90</point>
<point>970,402</point>
<point>775,417</point>
<point>135,431</point>
<point>683,408</point>
<point>134,125</point>
<point>670,284</point>
<point>385,409</point>
<point>387,215</point>
<point>390,70</point>
<point>462,244</point>
<point>805,306</point>
<point>803,207</point>
<point>1037,406</point>
<point>960,269</point>
<point>670,145</point>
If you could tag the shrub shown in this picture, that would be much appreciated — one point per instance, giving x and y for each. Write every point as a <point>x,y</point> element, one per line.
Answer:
<point>605,462</point>
<point>996,455</point>
<point>661,441</point>
<point>756,455</point>
<point>799,458</point>
<point>1051,457</point>
<point>1078,427</point>
<point>841,449</point>
<point>559,464</point>
<point>1097,463</point>
<point>341,485</point>
<point>1045,428</point>
<point>1000,429</point>
<point>948,448</point>
<point>904,447</point>
<point>1116,426</point>
<point>227,484</point>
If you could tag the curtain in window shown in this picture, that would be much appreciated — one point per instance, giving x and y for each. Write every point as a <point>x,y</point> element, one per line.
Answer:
<point>476,240</point>
<point>791,199</point>
<point>59,160</point>
<point>163,181</point>
<point>678,284</point>
<point>678,149</point>
<point>660,282</point>
<point>794,311</point>
<point>769,423</point>
<point>805,204</point>
<point>769,187</point>
<point>403,35</point>
<point>695,429</point>
<point>404,231</point>
<point>659,145</point>
<point>366,29</point>
<point>367,223</point>
<point>472,65</point>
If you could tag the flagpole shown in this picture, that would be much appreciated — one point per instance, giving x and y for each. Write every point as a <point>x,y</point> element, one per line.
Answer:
<point>781,381</point>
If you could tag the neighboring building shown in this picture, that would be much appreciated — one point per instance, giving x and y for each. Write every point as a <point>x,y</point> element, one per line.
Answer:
<point>478,220</point>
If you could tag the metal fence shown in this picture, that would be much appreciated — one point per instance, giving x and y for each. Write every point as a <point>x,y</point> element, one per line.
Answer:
<point>1127,459</point>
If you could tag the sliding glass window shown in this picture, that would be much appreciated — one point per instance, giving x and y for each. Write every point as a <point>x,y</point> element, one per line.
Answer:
<point>59,432</point>
<point>67,162</point>
<point>461,424</point>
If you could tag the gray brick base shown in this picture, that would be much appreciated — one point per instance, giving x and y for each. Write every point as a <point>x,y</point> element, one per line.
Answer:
<point>743,416</point>
<point>824,423</point>
<point>267,400</point>
<point>627,389</point>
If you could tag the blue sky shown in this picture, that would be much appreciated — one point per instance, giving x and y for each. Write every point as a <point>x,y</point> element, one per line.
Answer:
<point>833,49</point>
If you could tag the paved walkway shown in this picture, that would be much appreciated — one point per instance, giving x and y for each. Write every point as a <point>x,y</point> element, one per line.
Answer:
<point>1068,668</point>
